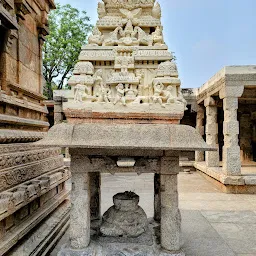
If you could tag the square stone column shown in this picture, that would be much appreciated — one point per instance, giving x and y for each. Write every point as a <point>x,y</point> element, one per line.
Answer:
<point>58,109</point>
<point>95,195</point>
<point>211,130</point>
<point>170,213</point>
<point>231,149</point>
<point>157,198</point>
<point>80,205</point>
<point>199,155</point>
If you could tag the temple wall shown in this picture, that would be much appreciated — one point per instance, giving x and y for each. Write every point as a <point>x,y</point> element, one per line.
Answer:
<point>32,178</point>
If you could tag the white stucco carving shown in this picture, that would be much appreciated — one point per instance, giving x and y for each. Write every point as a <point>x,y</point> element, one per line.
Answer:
<point>127,62</point>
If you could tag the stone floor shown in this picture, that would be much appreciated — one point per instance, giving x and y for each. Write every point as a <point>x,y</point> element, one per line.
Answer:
<point>213,224</point>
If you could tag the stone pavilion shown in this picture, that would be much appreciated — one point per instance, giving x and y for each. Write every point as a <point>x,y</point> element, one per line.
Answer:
<point>122,115</point>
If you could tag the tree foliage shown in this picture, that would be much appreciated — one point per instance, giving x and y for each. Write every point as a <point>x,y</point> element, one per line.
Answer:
<point>69,29</point>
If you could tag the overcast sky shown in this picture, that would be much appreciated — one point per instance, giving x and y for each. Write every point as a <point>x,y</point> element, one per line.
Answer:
<point>205,35</point>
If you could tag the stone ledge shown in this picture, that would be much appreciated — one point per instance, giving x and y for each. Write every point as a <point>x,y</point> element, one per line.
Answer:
<point>19,232</point>
<point>216,173</point>
<point>7,119</point>
<point>11,100</point>
<point>26,91</point>
<point>43,239</point>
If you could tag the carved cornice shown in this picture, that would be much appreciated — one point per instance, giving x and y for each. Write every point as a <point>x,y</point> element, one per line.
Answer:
<point>19,196</point>
<point>129,4</point>
<point>12,35</point>
<point>15,159</point>
<point>25,91</point>
<point>10,136</point>
<point>211,90</point>
<point>7,19</point>
<point>22,8</point>
<point>18,147</point>
<point>17,175</point>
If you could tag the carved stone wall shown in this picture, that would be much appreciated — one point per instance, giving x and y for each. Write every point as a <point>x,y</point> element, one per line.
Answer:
<point>32,178</point>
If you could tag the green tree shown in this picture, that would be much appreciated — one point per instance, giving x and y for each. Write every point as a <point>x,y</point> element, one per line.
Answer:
<point>69,29</point>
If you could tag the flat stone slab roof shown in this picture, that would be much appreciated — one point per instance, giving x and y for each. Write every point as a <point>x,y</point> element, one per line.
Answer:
<point>125,137</point>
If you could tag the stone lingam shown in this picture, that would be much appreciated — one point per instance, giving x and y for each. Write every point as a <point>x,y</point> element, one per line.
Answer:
<point>125,218</point>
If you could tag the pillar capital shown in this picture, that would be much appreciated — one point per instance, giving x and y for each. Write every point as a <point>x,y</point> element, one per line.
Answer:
<point>209,102</point>
<point>170,165</point>
<point>231,91</point>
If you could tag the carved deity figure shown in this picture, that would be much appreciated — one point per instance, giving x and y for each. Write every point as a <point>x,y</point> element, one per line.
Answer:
<point>170,94</point>
<point>158,90</point>
<point>128,35</point>
<point>120,96</point>
<point>143,38</point>
<point>98,82</point>
<point>112,40</point>
<point>130,92</point>
<point>104,94</point>
<point>156,11</point>
<point>80,93</point>
<point>181,99</point>
<point>96,38</point>
<point>158,36</point>
<point>101,10</point>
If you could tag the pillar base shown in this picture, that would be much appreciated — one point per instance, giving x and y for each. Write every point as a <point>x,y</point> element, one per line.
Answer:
<point>167,253</point>
<point>91,250</point>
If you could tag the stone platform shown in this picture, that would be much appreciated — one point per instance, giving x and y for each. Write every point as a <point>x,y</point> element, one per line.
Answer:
<point>213,223</point>
<point>147,244</point>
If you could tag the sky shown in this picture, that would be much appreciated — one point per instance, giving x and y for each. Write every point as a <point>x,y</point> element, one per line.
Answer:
<point>205,35</point>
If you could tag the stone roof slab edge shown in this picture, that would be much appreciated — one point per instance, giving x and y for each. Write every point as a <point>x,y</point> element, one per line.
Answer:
<point>126,136</point>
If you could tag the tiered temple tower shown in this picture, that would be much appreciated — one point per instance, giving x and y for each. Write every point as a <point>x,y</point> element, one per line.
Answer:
<point>126,72</point>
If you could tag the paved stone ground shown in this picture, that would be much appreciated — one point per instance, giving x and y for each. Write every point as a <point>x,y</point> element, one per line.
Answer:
<point>213,223</point>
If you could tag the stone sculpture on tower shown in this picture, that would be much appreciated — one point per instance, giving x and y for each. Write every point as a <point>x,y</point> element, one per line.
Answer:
<point>126,66</point>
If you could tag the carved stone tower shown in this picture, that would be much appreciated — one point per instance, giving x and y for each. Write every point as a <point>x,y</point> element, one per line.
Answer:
<point>126,72</point>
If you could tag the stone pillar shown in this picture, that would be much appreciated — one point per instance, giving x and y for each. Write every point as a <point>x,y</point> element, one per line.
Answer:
<point>170,214</point>
<point>80,205</point>
<point>231,150</point>
<point>58,109</point>
<point>199,155</point>
<point>245,136</point>
<point>95,183</point>
<point>211,130</point>
<point>157,198</point>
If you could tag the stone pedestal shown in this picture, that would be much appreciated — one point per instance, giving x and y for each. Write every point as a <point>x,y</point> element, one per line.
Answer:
<point>199,155</point>
<point>80,205</point>
<point>211,130</point>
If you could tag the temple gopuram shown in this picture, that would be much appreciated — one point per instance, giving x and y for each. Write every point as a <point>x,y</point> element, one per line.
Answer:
<point>126,72</point>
